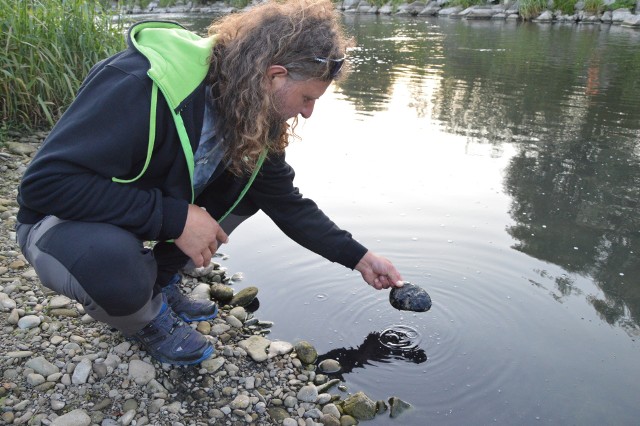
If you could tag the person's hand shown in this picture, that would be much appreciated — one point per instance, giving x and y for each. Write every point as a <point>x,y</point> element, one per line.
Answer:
<point>201,236</point>
<point>378,272</point>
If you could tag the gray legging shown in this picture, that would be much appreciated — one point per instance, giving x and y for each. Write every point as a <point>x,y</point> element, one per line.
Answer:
<point>105,268</point>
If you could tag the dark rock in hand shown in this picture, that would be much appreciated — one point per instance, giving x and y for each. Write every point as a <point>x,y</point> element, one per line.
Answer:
<point>410,297</point>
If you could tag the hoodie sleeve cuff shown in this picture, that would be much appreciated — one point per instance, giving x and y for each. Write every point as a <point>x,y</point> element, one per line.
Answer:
<point>351,254</point>
<point>174,218</point>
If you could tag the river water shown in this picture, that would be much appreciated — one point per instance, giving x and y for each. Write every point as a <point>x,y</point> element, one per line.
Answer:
<point>497,164</point>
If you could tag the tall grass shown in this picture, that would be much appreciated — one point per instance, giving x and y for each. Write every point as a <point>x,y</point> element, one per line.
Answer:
<point>594,6</point>
<point>466,3</point>
<point>622,4</point>
<point>531,8</point>
<point>46,49</point>
<point>379,3</point>
<point>567,7</point>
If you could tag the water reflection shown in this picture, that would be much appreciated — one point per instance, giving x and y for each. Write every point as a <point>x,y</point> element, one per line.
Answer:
<point>394,343</point>
<point>519,158</point>
<point>572,111</point>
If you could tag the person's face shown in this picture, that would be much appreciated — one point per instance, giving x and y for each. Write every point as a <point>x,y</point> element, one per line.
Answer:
<point>292,97</point>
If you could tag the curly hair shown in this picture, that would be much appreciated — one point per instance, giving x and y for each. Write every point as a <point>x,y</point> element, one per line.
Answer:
<point>289,33</point>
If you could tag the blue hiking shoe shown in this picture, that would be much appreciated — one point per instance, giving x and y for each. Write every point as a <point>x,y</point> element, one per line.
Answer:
<point>168,339</point>
<point>185,307</point>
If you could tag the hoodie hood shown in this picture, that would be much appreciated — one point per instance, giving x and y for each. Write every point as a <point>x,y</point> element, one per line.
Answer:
<point>178,58</point>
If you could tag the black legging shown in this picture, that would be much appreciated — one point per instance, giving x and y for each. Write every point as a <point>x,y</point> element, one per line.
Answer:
<point>104,267</point>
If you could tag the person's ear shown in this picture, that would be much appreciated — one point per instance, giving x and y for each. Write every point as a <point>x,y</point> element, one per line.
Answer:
<point>276,76</point>
<point>275,71</point>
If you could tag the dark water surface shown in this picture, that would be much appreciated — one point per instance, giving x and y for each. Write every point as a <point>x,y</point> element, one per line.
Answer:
<point>498,165</point>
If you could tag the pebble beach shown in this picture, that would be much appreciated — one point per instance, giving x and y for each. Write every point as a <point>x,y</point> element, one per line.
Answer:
<point>60,367</point>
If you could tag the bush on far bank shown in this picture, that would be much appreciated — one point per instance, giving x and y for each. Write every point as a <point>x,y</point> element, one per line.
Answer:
<point>46,49</point>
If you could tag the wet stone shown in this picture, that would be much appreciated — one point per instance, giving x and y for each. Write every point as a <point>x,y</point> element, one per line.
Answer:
<point>62,312</point>
<point>222,293</point>
<point>360,406</point>
<point>244,297</point>
<point>329,366</point>
<point>410,297</point>
<point>306,352</point>
<point>397,406</point>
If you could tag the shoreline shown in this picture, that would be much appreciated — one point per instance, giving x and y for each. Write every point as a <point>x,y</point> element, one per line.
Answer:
<point>507,11</point>
<point>60,367</point>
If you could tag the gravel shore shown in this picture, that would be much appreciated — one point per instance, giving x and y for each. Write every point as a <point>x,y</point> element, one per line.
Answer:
<point>60,367</point>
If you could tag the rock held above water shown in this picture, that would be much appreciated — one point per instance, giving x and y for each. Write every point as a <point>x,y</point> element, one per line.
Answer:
<point>410,297</point>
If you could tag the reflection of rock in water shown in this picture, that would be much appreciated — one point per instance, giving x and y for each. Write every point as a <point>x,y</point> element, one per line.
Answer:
<point>399,337</point>
<point>398,342</point>
<point>253,306</point>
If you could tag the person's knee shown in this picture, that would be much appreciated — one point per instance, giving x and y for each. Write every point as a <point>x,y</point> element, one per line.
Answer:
<point>110,264</point>
<point>122,280</point>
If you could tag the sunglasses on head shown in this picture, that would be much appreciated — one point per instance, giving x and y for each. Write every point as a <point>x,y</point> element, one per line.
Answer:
<point>335,65</point>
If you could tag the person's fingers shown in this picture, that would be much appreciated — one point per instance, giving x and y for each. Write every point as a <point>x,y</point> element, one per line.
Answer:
<point>394,276</point>
<point>206,256</point>
<point>213,247</point>
<point>198,260</point>
<point>386,282</point>
<point>377,284</point>
<point>222,236</point>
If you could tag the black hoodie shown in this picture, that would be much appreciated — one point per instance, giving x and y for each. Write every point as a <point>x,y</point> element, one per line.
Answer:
<point>105,133</point>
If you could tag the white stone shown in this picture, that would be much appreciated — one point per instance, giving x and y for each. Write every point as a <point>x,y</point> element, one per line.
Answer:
<point>127,417</point>
<point>13,317</point>
<point>240,402</point>
<point>41,366</point>
<point>8,303</point>
<point>218,329</point>
<point>81,372</point>
<point>18,354</point>
<point>323,398</point>
<point>29,274</point>
<point>212,364</point>
<point>174,407</point>
<point>29,321</point>
<point>279,347</point>
<point>35,379</point>
<point>122,348</point>
<point>239,312</point>
<point>141,372</point>
<point>59,301</point>
<point>233,321</point>
<point>332,410</point>
<point>308,393</point>
<point>77,417</point>
<point>256,347</point>
<point>57,404</point>
<point>249,382</point>
<point>201,292</point>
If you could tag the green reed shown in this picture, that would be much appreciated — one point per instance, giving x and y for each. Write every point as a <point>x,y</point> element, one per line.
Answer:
<point>594,6</point>
<point>531,8</point>
<point>46,49</point>
<point>565,6</point>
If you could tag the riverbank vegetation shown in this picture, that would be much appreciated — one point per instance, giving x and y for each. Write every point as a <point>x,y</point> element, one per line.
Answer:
<point>48,46</point>
<point>46,49</point>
